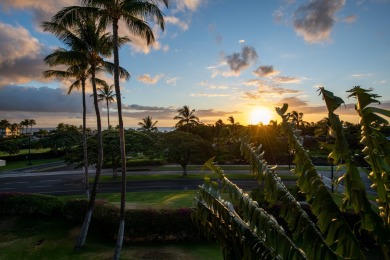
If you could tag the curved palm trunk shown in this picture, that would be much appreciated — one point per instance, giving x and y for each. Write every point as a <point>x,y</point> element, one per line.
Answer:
<point>87,220</point>
<point>85,145</point>
<point>119,243</point>
<point>108,115</point>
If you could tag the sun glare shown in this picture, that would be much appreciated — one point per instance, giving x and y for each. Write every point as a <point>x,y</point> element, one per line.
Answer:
<point>260,115</point>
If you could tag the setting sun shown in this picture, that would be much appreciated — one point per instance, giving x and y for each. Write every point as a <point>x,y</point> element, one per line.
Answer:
<point>260,115</point>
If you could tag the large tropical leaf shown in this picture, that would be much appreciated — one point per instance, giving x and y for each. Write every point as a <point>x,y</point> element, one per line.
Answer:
<point>331,223</point>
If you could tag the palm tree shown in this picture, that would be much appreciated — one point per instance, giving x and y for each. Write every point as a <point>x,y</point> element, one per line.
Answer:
<point>297,119</point>
<point>147,124</point>
<point>89,42</point>
<point>107,94</point>
<point>79,72</point>
<point>23,125</point>
<point>31,123</point>
<point>186,117</point>
<point>231,120</point>
<point>134,13</point>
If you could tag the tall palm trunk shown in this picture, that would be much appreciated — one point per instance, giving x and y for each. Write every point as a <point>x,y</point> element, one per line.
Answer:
<point>85,145</point>
<point>84,229</point>
<point>121,229</point>
<point>108,115</point>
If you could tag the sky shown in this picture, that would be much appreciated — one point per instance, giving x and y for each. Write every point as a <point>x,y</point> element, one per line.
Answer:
<point>220,57</point>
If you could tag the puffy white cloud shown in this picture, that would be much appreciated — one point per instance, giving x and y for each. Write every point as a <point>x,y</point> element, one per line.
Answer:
<point>21,56</point>
<point>192,5</point>
<point>17,43</point>
<point>314,20</point>
<point>176,21</point>
<point>147,79</point>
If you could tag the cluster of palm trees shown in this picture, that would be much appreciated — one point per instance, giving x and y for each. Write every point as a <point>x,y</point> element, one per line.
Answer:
<point>16,128</point>
<point>83,29</point>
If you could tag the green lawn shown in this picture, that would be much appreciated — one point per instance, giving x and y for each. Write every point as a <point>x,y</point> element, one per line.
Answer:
<point>25,151</point>
<point>23,164</point>
<point>152,199</point>
<point>36,238</point>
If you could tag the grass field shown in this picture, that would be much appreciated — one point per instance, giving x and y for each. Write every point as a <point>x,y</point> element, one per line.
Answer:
<point>36,238</point>
<point>155,199</point>
<point>26,151</point>
<point>24,164</point>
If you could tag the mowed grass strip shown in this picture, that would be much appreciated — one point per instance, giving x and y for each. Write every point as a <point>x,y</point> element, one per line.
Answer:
<point>12,165</point>
<point>152,199</point>
<point>37,238</point>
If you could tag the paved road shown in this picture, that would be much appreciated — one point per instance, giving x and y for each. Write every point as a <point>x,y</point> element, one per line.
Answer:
<point>71,182</point>
<point>63,181</point>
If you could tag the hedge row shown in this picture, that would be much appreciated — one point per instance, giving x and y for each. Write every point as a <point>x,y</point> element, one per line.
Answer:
<point>26,204</point>
<point>34,156</point>
<point>141,224</point>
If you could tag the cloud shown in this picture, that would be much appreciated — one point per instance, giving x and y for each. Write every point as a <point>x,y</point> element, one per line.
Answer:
<point>43,99</point>
<point>171,81</point>
<point>240,61</point>
<point>278,15</point>
<point>139,44</point>
<point>191,5</point>
<point>147,79</point>
<point>40,10</point>
<point>266,91</point>
<point>209,95</point>
<point>218,87</point>
<point>361,75</point>
<point>294,102</point>
<point>314,20</point>
<point>175,21</point>
<point>350,19</point>
<point>139,111</point>
<point>16,43</point>
<point>21,56</point>
<point>285,80</point>
<point>265,71</point>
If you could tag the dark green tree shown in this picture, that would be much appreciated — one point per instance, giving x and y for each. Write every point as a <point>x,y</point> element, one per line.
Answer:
<point>184,148</point>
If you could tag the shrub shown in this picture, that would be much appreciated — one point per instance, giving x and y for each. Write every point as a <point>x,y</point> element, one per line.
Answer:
<point>16,203</point>
<point>141,224</point>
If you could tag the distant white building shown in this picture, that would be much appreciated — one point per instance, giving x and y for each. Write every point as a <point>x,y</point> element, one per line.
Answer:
<point>2,163</point>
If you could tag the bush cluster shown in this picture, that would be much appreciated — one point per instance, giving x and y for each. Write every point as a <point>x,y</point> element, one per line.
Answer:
<point>16,203</point>
<point>34,156</point>
<point>141,224</point>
